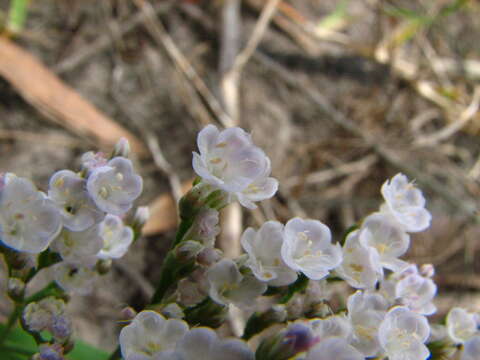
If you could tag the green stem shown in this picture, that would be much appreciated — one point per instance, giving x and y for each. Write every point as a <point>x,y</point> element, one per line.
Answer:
<point>12,319</point>
<point>51,289</point>
<point>16,349</point>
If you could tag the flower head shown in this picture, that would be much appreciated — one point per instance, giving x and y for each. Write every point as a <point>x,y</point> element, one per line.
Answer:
<point>116,238</point>
<point>78,247</point>
<point>307,248</point>
<point>403,333</point>
<point>29,221</point>
<point>462,325</point>
<point>68,191</point>
<point>115,186</point>
<point>361,266</point>
<point>227,284</point>
<point>406,204</point>
<point>381,232</point>
<point>264,254</point>
<point>150,334</point>
<point>230,161</point>
<point>334,348</point>
<point>74,278</point>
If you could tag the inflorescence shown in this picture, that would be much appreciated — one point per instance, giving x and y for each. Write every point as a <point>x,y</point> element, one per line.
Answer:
<point>80,225</point>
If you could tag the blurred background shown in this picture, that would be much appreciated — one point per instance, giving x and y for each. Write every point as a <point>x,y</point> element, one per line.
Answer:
<point>341,95</point>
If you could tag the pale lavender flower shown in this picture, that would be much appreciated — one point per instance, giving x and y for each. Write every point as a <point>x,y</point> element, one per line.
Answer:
<point>402,335</point>
<point>76,279</point>
<point>307,248</point>
<point>92,160</point>
<point>116,238</point>
<point>365,312</point>
<point>361,267</point>
<point>68,191</point>
<point>462,325</point>
<point>115,186</point>
<point>405,203</point>
<point>227,285</point>
<point>50,352</point>
<point>78,247</point>
<point>149,335</point>
<point>28,220</point>
<point>381,232</point>
<point>264,254</point>
<point>230,161</point>
<point>416,292</point>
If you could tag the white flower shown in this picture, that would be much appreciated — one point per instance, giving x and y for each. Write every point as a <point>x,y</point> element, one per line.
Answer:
<point>415,291</point>
<point>334,348</point>
<point>115,186</point>
<point>227,284</point>
<point>335,325</point>
<point>78,247</point>
<point>116,238</point>
<point>403,333</point>
<point>67,190</point>
<point>471,349</point>
<point>365,312</point>
<point>150,334</point>
<point>74,278</point>
<point>307,248</point>
<point>28,220</point>
<point>360,267</point>
<point>461,325</point>
<point>230,161</point>
<point>406,203</point>
<point>387,237</point>
<point>264,254</point>
<point>204,344</point>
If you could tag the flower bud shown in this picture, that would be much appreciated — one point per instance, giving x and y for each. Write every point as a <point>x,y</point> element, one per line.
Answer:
<point>209,256</point>
<point>187,250</point>
<point>142,214</point>
<point>122,148</point>
<point>103,266</point>
<point>50,352</point>
<point>295,339</point>
<point>16,289</point>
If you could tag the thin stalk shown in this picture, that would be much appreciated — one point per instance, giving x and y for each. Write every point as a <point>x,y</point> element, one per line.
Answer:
<point>12,319</point>
<point>16,349</point>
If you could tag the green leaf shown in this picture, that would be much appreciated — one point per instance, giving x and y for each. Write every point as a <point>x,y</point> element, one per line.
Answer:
<point>24,343</point>
<point>17,15</point>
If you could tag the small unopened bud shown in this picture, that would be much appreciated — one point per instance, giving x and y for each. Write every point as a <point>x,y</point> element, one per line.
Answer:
<point>128,313</point>
<point>51,352</point>
<point>141,216</point>
<point>427,270</point>
<point>209,256</point>
<point>103,266</point>
<point>295,339</point>
<point>61,328</point>
<point>16,289</point>
<point>122,148</point>
<point>187,250</point>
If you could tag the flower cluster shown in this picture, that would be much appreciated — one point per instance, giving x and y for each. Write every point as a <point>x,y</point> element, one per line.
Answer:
<point>290,265</point>
<point>75,228</point>
<point>283,281</point>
